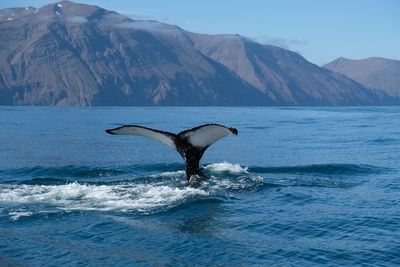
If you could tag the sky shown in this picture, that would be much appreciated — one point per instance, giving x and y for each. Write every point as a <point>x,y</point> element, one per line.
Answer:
<point>320,30</point>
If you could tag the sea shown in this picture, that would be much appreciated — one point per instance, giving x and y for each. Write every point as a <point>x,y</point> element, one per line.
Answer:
<point>298,186</point>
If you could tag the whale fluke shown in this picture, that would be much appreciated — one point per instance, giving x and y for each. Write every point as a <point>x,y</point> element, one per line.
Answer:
<point>190,144</point>
<point>165,138</point>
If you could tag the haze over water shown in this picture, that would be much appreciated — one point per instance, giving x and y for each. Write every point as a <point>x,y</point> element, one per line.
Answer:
<point>297,186</point>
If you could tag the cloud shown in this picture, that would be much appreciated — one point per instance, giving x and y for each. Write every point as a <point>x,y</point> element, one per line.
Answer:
<point>151,26</point>
<point>281,42</point>
<point>77,19</point>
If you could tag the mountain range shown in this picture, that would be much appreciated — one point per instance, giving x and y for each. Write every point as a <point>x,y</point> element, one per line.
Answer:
<point>74,54</point>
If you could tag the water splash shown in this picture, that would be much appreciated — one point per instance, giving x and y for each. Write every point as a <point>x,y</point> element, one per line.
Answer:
<point>227,167</point>
<point>164,189</point>
<point>76,196</point>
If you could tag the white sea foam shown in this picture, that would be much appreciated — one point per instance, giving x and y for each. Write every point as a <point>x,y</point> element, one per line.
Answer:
<point>227,167</point>
<point>26,200</point>
<point>170,174</point>
<point>76,196</point>
<point>15,215</point>
<point>240,183</point>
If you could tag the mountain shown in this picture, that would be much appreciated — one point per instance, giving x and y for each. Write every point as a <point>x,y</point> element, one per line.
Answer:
<point>71,54</point>
<point>286,77</point>
<point>74,54</point>
<point>374,72</point>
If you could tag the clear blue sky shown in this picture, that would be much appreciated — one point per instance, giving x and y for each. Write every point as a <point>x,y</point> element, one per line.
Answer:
<point>320,30</point>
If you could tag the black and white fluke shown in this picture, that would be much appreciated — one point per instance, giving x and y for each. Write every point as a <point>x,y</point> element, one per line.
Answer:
<point>190,144</point>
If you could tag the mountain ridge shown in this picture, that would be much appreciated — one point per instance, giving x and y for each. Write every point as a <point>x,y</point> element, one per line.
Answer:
<point>75,54</point>
<point>373,72</point>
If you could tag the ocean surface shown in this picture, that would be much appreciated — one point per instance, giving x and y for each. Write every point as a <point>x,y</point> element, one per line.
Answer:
<point>297,187</point>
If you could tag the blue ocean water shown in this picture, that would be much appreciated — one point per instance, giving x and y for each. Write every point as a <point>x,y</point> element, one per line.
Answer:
<point>297,186</point>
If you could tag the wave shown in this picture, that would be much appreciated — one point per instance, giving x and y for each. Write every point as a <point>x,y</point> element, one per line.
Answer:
<point>144,194</point>
<point>27,201</point>
<point>44,181</point>
<point>384,140</point>
<point>15,215</point>
<point>75,171</point>
<point>163,188</point>
<point>258,127</point>
<point>62,171</point>
<point>46,174</point>
<point>76,196</point>
<point>326,169</point>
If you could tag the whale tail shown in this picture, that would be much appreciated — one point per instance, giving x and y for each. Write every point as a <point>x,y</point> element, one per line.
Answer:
<point>190,144</point>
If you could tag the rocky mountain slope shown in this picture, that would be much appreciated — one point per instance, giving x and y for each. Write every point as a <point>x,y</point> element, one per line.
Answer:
<point>74,54</point>
<point>378,73</point>
<point>284,76</point>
